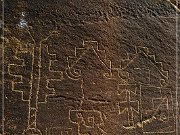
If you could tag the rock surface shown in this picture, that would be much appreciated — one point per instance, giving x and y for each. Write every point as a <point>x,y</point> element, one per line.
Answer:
<point>91,67</point>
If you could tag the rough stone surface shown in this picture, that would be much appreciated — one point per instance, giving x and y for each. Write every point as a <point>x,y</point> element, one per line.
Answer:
<point>91,67</point>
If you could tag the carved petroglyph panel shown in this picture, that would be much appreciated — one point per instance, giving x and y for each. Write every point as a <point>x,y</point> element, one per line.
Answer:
<point>90,67</point>
<point>127,96</point>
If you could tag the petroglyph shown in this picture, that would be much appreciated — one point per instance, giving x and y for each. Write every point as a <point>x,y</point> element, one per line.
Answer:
<point>160,109</point>
<point>88,121</point>
<point>20,69</point>
<point>130,97</point>
<point>90,67</point>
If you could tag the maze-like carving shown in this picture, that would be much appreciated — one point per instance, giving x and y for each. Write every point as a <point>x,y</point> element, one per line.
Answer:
<point>20,68</point>
<point>48,74</point>
<point>132,80</point>
<point>134,74</point>
<point>73,76</point>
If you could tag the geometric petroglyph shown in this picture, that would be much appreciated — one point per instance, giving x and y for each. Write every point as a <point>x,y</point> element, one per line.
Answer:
<point>48,74</point>
<point>20,68</point>
<point>80,52</point>
<point>133,70</point>
<point>133,77</point>
<point>142,98</point>
<point>129,103</point>
<point>36,86</point>
<point>89,121</point>
<point>89,67</point>
<point>157,107</point>
<point>81,67</point>
<point>142,73</point>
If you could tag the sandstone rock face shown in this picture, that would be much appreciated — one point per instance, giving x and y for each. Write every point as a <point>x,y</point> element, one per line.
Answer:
<point>90,67</point>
